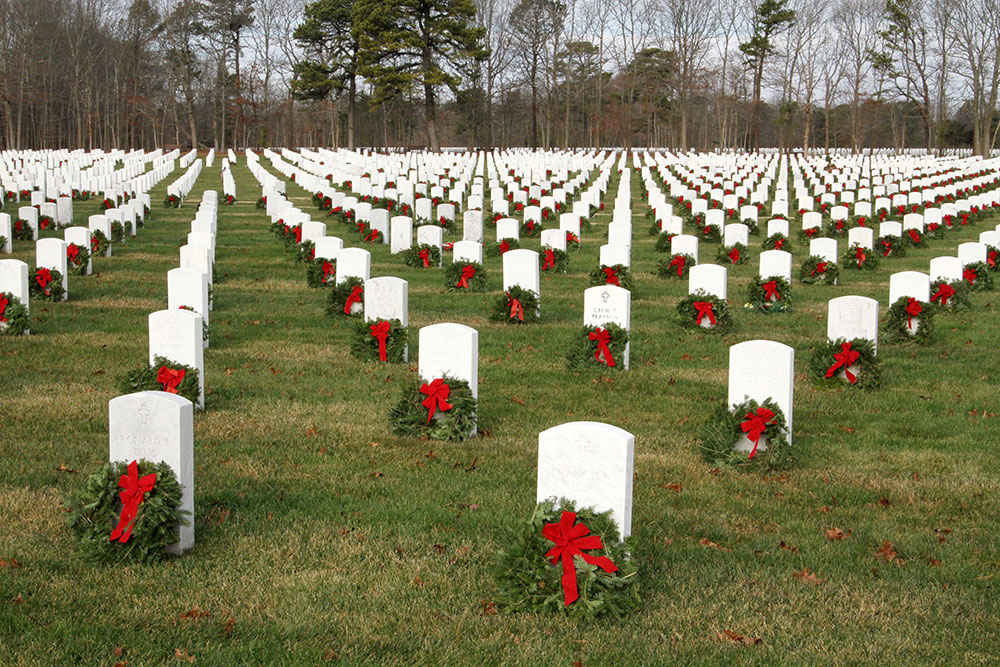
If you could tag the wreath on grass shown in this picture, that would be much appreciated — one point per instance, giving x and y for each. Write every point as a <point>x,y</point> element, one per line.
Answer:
<point>572,241</point>
<point>977,275</point>
<point>46,284</point>
<point>305,251</point>
<point>369,235</point>
<point>992,257</point>
<point>816,270</point>
<point>22,231</point>
<point>769,295</point>
<point>117,232</point>
<point>532,573</point>
<point>554,260</point>
<point>838,229</point>
<point>777,242</point>
<point>163,375</point>
<point>678,267</point>
<point>753,227</point>
<point>890,246</point>
<point>470,276</point>
<point>379,340</point>
<point>842,360</point>
<point>46,222</point>
<point>77,258</point>
<point>663,242</point>
<point>261,203</point>
<point>422,256</point>
<point>14,319</point>
<point>734,254</point>
<point>172,201</point>
<point>694,309</point>
<point>321,273</point>
<point>656,227</point>
<point>444,223</point>
<point>346,298</point>
<point>809,233</point>
<point>598,347</point>
<point>99,243</point>
<point>619,275</point>
<point>899,318</point>
<point>860,258</point>
<point>516,306</point>
<point>710,233</point>
<point>531,228</point>
<point>96,513</point>
<point>934,230</point>
<point>720,434</point>
<point>443,409</point>
<point>950,295</point>
<point>499,248</point>
<point>340,215</point>
<point>913,238</point>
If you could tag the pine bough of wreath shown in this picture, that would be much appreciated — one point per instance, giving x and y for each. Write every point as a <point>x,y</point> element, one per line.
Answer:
<point>663,242</point>
<point>983,281</point>
<point>46,222</point>
<point>504,310</point>
<point>777,242</point>
<point>992,257</point>
<point>411,256</point>
<point>913,238</point>
<point>721,432</point>
<point>453,276</point>
<point>958,301</point>
<point>668,268</point>
<point>317,275</point>
<point>497,249</point>
<point>408,418</point>
<point>572,241</point>
<point>687,313</point>
<point>53,290</point>
<point>734,254</point>
<point>810,274</point>
<point>866,369</point>
<point>337,298</point>
<point>364,346</point>
<point>531,228</point>
<point>339,215</point>
<point>14,319</point>
<point>584,353</point>
<point>143,378</point>
<point>753,227</point>
<point>710,233</point>
<point>934,230</point>
<point>867,261</point>
<point>369,235</point>
<point>530,582</point>
<point>78,265</point>
<point>446,224</point>
<point>656,227</point>
<point>560,260</point>
<point>838,229</point>
<point>621,272</point>
<point>895,329</point>
<point>305,251</point>
<point>95,509</point>
<point>890,246</point>
<point>3,242</point>
<point>807,234</point>
<point>172,201</point>
<point>757,295</point>
<point>22,231</point>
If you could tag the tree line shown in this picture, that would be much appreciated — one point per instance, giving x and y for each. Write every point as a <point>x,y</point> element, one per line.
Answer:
<point>683,74</point>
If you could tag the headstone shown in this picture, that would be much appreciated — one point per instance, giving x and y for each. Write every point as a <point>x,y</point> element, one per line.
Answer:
<point>354,263</point>
<point>710,279</point>
<point>472,226</point>
<point>776,263</point>
<point>946,268</point>
<point>450,349</point>
<point>608,303</point>
<point>972,252</point>
<point>177,335</point>
<point>14,279</point>
<point>400,233</point>
<point>188,287</point>
<point>735,233</point>
<point>79,236</point>
<point>508,228</point>
<point>861,236</point>
<point>761,370</point>
<point>328,247</point>
<point>467,251</point>
<point>386,298</point>
<point>520,267</point>
<point>685,244</point>
<point>431,235</point>
<point>825,248</point>
<point>620,233</point>
<point>777,226</point>
<point>553,238</point>
<point>51,254</point>
<point>101,223</point>
<point>910,284</point>
<point>30,215</point>
<point>612,253</point>
<point>851,317</point>
<point>7,232</point>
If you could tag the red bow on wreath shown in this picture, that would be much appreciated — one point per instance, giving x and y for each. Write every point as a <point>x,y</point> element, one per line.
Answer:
<point>353,298</point>
<point>611,276</point>
<point>95,243</point>
<point>968,274</point>
<point>468,271</point>
<point>4,302</point>
<point>811,231</point>
<point>328,270</point>
<point>778,243</point>
<point>170,379</point>
<point>846,357</point>
<point>914,235</point>
<point>679,261</point>
<point>298,234</point>
<point>550,259</point>
<point>380,332</point>
<point>425,255</point>
<point>913,308</point>
<point>734,255</point>
<point>755,425</point>
<point>888,248</point>
<point>43,277</point>
<point>437,397</point>
<point>516,309</point>
<point>504,246</point>
<point>944,292</point>
<point>860,254</point>
<point>134,490</point>
<point>771,290</point>
<point>569,541</point>
<point>72,252</point>
<point>991,258</point>
<point>703,309</point>
<point>603,337</point>
<point>820,268</point>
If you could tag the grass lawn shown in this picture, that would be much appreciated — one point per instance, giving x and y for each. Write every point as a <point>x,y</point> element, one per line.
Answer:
<point>320,536</point>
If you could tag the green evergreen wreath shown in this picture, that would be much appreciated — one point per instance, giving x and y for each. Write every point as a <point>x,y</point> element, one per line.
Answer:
<point>364,346</point>
<point>757,295</point>
<point>3,242</point>
<point>46,222</point>
<point>663,242</point>
<point>453,276</point>
<point>572,241</point>
<point>409,416</point>
<point>261,203</point>
<point>809,273</point>
<point>777,242</point>
<point>983,281</point>
<point>143,378</point>
<point>583,352</point>
<point>838,229</point>
<point>687,313</point>
<point>560,260</point>
<point>531,228</point>
<point>337,298</point>
<point>501,311</point>
<point>866,368</point>
<point>890,246</point>
<point>339,216</point>
<point>725,254</point>
<point>172,201</point>
<point>305,251</point>
<point>721,432</point>
<point>656,227</point>
<point>958,301</point>
<point>810,233</point>
<point>895,328</point>
<point>753,227</point>
<point>15,316</point>
<point>527,581</point>
<point>992,256</point>
<point>95,510</point>
<point>666,269</point>
<point>411,256</point>
<point>913,238</point>
<point>369,235</point>
<point>77,266</point>
<point>22,231</point>
<point>99,243</point>
<point>53,291</point>
<point>867,261</point>
<point>496,249</point>
<point>710,233</point>
<point>317,276</point>
<point>599,277</point>
<point>117,232</point>
<point>448,226</point>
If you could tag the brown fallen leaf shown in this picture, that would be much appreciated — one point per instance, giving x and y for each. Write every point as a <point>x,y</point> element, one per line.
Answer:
<point>821,510</point>
<point>377,474</point>
<point>517,400</point>
<point>329,654</point>
<point>934,562</point>
<point>62,468</point>
<point>729,635</point>
<point>837,534</point>
<point>673,486</point>
<point>808,577</point>
<point>887,553</point>
<point>787,547</point>
<point>183,655</point>
<point>195,612</point>
<point>489,607</point>
<point>884,502</point>
<point>9,563</point>
<point>228,629</point>
<point>705,542</point>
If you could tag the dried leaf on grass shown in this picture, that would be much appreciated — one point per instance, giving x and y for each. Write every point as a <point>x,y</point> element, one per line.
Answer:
<point>730,636</point>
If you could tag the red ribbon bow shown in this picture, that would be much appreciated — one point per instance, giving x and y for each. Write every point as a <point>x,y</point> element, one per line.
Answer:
<point>569,541</point>
<point>811,231</point>
<point>373,236</point>
<point>380,331</point>
<point>944,292</point>
<point>704,308</point>
<point>550,260</point>
<point>72,252</point>
<point>504,246</point>
<point>425,255</point>
<point>603,337</point>
<point>94,244</point>
<point>755,425</point>
<point>516,309</point>
<point>771,290</point>
<point>913,308</point>
<point>4,301</point>
<point>135,488</point>
<point>888,248</point>
<point>846,357</point>
<point>298,234</point>
<point>914,235</point>
<point>991,258</point>
<point>970,276</point>
<point>778,243</point>
<point>468,271</point>
<point>353,298</point>
<point>860,254</point>
<point>679,261</point>
<point>328,270</point>
<point>820,268</point>
<point>437,397</point>
<point>734,255</point>
<point>611,276</point>
<point>43,277</point>
<point>170,379</point>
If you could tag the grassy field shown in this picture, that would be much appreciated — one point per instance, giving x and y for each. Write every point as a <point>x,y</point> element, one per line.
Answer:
<point>321,537</point>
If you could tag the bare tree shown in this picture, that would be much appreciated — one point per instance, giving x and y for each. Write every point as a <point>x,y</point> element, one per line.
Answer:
<point>977,34</point>
<point>689,29</point>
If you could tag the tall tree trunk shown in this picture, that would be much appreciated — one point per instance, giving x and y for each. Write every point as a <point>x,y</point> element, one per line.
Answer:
<point>352,91</point>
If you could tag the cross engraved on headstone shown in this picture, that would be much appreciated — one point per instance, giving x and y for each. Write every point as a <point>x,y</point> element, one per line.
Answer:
<point>143,414</point>
<point>605,296</point>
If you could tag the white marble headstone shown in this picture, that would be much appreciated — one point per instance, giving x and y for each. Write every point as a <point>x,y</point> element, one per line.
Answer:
<point>761,370</point>
<point>177,335</point>
<point>608,303</point>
